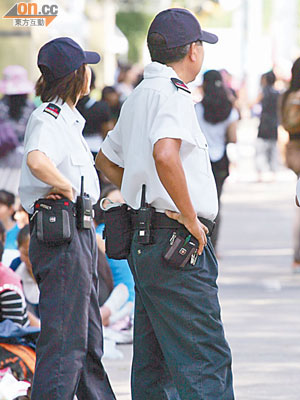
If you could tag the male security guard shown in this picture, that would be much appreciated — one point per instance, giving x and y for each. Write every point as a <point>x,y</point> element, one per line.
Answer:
<point>69,347</point>
<point>179,347</point>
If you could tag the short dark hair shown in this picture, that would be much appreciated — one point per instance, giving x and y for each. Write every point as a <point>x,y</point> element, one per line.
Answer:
<point>270,78</point>
<point>7,198</point>
<point>68,87</point>
<point>159,52</point>
<point>107,90</point>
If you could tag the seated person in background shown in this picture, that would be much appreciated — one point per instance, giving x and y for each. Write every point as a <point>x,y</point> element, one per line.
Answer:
<point>98,119</point>
<point>111,299</point>
<point>24,270</point>
<point>12,299</point>
<point>7,210</point>
<point>22,219</point>
<point>106,283</point>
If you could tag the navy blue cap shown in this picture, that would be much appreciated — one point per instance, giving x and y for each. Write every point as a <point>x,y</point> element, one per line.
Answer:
<point>179,27</point>
<point>62,56</point>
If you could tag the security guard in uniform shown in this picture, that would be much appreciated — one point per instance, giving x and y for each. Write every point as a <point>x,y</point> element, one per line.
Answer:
<point>69,347</point>
<point>180,351</point>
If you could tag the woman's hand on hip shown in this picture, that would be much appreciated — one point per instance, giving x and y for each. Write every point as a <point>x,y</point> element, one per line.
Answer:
<point>61,192</point>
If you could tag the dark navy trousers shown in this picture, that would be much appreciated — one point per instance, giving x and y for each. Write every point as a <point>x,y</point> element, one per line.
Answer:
<point>180,352</point>
<point>70,344</point>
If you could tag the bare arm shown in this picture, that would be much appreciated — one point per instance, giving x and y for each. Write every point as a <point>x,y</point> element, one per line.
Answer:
<point>44,170</point>
<point>106,127</point>
<point>171,174</point>
<point>34,321</point>
<point>232,132</point>
<point>111,170</point>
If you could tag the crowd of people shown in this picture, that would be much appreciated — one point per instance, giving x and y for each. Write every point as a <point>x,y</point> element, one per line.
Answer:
<point>218,114</point>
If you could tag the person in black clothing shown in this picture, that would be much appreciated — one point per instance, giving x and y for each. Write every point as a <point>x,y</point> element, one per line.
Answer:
<point>98,118</point>
<point>217,118</point>
<point>266,150</point>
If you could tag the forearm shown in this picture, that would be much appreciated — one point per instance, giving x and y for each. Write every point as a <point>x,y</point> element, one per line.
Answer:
<point>34,321</point>
<point>172,176</point>
<point>232,132</point>
<point>44,170</point>
<point>112,171</point>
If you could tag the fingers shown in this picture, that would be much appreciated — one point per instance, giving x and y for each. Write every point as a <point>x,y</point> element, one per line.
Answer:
<point>172,214</point>
<point>53,196</point>
<point>202,242</point>
<point>205,229</point>
<point>200,249</point>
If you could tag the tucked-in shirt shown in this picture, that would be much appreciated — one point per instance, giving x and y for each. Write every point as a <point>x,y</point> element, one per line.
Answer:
<point>61,140</point>
<point>215,133</point>
<point>155,110</point>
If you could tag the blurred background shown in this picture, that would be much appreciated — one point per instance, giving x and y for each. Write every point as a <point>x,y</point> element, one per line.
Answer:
<point>259,237</point>
<point>254,35</point>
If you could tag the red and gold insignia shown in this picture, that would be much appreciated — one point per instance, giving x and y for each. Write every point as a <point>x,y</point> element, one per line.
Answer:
<point>53,110</point>
<point>180,85</point>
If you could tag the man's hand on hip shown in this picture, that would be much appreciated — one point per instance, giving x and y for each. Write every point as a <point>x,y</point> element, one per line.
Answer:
<point>194,226</point>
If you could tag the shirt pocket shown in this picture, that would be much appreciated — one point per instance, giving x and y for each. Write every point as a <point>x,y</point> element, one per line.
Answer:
<point>204,161</point>
<point>78,160</point>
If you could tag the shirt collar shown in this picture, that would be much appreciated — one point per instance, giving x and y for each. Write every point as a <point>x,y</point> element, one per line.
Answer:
<point>70,116</point>
<point>157,70</point>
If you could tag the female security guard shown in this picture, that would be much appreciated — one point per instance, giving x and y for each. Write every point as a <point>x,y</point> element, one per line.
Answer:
<point>69,348</point>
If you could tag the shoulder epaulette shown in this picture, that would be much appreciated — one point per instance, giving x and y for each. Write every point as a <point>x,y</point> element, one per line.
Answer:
<point>53,110</point>
<point>180,85</point>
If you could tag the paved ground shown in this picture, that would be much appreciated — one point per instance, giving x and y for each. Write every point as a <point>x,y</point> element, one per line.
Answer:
<point>260,297</point>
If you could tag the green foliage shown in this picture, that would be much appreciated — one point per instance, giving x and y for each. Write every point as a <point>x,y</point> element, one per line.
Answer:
<point>218,19</point>
<point>267,14</point>
<point>134,25</point>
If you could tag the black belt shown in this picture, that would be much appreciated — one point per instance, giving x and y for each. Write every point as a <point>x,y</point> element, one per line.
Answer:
<point>162,221</point>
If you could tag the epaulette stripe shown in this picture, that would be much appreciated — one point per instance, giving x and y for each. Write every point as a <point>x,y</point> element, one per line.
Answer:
<point>53,110</point>
<point>180,85</point>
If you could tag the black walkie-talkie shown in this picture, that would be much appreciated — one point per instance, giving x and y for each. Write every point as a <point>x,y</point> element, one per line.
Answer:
<point>144,216</point>
<point>84,209</point>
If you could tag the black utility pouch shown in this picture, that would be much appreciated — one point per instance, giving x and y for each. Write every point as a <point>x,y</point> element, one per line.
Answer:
<point>179,251</point>
<point>54,221</point>
<point>117,231</point>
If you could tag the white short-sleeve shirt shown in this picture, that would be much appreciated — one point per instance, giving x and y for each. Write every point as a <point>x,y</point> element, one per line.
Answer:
<point>58,134</point>
<point>155,110</point>
<point>215,134</point>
